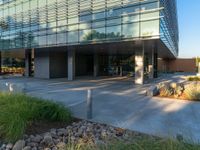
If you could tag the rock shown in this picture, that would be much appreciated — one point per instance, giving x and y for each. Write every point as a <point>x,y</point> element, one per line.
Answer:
<point>56,141</point>
<point>37,139</point>
<point>54,134</point>
<point>61,145</point>
<point>54,148</point>
<point>48,140</point>
<point>19,145</point>
<point>103,133</point>
<point>152,91</point>
<point>9,146</point>
<point>3,146</point>
<point>27,148</point>
<point>32,144</point>
<point>61,132</point>
<point>34,148</point>
<point>173,85</point>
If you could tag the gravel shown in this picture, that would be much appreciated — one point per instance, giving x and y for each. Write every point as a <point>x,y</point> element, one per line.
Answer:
<point>58,138</point>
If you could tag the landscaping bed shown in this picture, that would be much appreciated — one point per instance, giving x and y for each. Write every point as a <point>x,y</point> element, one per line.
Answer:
<point>28,123</point>
<point>85,135</point>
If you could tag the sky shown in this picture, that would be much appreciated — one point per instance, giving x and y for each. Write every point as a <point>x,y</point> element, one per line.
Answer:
<point>189,28</point>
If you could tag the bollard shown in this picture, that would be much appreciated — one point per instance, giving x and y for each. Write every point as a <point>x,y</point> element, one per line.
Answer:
<point>89,104</point>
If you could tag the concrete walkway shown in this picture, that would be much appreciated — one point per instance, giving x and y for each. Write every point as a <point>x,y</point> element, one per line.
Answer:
<point>118,102</point>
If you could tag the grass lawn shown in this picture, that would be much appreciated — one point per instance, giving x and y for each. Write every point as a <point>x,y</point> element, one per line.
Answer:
<point>18,111</point>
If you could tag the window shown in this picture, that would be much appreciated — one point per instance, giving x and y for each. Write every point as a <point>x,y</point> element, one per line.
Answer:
<point>150,28</point>
<point>98,34</point>
<point>73,37</point>
<point>85,35</point>
<point>130,30</point>
<point>61,38</point>
<point>113,32</point>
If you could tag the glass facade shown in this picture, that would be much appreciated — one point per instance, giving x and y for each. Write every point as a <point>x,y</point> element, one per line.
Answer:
<point>169,33</point>
<point>42,23</point>
<point>46,23</point>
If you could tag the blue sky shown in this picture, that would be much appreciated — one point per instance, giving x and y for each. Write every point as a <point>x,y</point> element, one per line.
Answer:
<point>189,28</point>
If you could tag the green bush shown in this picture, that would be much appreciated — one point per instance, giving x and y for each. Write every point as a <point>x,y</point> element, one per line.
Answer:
<point>17,111</point>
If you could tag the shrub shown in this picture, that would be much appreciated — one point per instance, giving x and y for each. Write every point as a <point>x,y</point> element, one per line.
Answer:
<point>192,92</point>
<point>17,111</point>
<point>194,78</point>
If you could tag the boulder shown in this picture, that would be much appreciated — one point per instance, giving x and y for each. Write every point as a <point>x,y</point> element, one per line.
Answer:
<point>19,145</point>
<point>48,140</point>
<point>27,148</point>
<point>152,91</point>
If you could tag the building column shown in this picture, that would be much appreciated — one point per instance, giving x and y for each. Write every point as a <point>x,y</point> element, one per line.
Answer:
<point>42,63</point>
<point>151,65</point>
<point>139,65</point>
<point>96,65</point>
<point>155,65</point>
<point>71,64</point>
<point>27,62</point>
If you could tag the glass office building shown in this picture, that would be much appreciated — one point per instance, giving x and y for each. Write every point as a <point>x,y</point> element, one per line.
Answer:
<point>84,24</point>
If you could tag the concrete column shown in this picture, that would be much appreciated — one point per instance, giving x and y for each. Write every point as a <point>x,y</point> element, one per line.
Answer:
<point>155,64</point>
<point>27,62</point>
<point>42,63</point>
<point>71,64</point>
<point>139,66</point>
<point>96,65</point>
<point>121,71</point>
<point>151,65</point>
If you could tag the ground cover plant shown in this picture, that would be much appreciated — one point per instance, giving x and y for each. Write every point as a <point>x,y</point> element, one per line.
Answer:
<point>18,111</point>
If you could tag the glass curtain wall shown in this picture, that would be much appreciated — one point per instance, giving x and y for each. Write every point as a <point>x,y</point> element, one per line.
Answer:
<point>43,23</point>
<point>169,32</point>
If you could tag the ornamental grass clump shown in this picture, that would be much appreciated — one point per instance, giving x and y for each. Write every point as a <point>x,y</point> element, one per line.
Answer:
<point>135,143</point>
<point>18,111</point>
<point>195,78</point>
<point>165,90</point>
<point>171,89</point>
<point>192,92</point>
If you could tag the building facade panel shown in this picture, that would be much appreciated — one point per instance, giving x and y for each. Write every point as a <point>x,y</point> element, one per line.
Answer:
<point>46,23</point>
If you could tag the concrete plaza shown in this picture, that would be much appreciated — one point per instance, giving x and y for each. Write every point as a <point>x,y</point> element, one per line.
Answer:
<point>118,102</point>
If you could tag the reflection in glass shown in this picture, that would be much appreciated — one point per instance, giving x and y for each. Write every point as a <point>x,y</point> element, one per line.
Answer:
<point>113,32</point>
<point>130,30</point>
<point>85,35</point>
<point>150,28</point>
<point>98,34</point>
<point>73,37</point>
<point>61,38</point>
